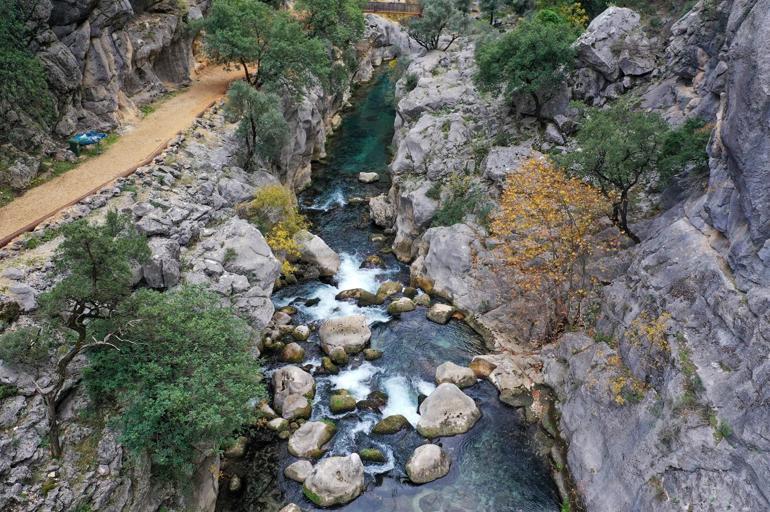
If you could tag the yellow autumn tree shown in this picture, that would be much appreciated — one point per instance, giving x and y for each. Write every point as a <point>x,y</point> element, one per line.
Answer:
<point>548,220</point>
<point>274,211</point>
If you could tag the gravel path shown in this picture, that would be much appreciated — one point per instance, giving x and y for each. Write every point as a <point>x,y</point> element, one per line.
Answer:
<point>142,142</point>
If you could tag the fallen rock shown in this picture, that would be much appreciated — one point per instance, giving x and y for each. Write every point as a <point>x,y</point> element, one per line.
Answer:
<point>440,313</point>
<point>391,425</point>
<point>291,380</point>
<point>278,424</point>
<point>458,375</point>
<point>402,305</point>
<point>381,211</point>
<point>310,439</point>
<point>335,481</point>
<point>313,250</point>
<point>373,261</point>
<point>389,288</point>
<point>298,471</point>
<point>296,406</point>
<point>339,356</point>
<point>329,366</point>
<point>447,412</point>
<point>350,332</point>
<point>481,367</point>
<point>428,463</point>
<point>368,177</point>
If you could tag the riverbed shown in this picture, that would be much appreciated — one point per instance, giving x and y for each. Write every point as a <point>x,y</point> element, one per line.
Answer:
<point>495,466</point>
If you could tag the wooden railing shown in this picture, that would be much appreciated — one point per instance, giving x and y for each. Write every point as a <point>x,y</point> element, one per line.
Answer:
<point>393,7</point>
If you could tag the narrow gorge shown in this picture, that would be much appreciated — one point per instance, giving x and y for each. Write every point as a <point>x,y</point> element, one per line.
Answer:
<point>504,256</point>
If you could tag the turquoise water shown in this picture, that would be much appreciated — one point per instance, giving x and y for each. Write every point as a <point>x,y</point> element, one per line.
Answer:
<point>494,466</point>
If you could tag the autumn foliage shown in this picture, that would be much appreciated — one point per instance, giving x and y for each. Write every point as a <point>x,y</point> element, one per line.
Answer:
<point>549,221</point>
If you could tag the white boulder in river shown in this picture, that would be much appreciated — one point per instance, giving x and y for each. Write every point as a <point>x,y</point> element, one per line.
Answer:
<point>349,332</point>
<point>447,412</point>
<point>309,440</point>
<point>460,376</point>
<point>335,481</point>
<point>428,462</point>
<point>291,380</point>
<point>313,250</point>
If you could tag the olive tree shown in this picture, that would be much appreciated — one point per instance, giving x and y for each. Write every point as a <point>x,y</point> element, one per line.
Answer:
<point>439,17</point>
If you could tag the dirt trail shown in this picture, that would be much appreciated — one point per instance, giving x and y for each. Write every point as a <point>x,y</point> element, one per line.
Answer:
<point>133,149</point>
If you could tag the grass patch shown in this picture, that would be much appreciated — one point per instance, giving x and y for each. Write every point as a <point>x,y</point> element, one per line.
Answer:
<point>35,240</point>
<point>6,196</point>
<point>53,168</point>
<point>7,391</point>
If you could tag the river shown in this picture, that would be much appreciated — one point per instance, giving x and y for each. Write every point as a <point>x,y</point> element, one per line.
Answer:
<point>495,466</point>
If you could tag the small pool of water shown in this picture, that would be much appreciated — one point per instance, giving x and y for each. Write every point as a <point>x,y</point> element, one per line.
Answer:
<point>494,466</point>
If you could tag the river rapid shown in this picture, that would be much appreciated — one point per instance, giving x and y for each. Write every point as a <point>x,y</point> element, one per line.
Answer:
<point>495,466</point>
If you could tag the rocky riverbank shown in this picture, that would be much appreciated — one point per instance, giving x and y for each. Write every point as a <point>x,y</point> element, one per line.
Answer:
<point>184,202</point>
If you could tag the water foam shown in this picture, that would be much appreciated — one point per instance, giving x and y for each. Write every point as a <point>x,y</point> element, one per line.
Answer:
<point>334,200</point>
<point>402,396</point>
<point>356,381</point>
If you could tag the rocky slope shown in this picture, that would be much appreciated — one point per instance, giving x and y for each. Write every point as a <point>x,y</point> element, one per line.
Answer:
<point>668,411</point>
<point>184,202</point>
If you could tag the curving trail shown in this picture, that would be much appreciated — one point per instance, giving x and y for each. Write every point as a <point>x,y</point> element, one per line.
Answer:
<point>135,148</point>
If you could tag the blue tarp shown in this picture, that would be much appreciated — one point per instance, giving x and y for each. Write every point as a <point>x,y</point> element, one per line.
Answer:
<point>88,138</point>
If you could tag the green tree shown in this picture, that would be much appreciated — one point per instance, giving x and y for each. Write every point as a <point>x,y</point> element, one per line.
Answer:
<point>183,376</point>
<point>262,125</point>
<point>532,60</point>
<point>684,150</point>
<point>251,33</point>
<point>24,91</point>
<point>341,22</point>
<point>94,263</point>
<point>491,7</point>
<point>438,17</point>
<point>617,149</point>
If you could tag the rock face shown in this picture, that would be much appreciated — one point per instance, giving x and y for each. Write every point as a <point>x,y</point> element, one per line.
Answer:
<point>458,375</point>
<point>351,333</point>
<point>310,439</point>
<point>313,250</point>
<point>447,412</point>
<point>291,380</point>
<point>428,463</point>
<point>335,481</point>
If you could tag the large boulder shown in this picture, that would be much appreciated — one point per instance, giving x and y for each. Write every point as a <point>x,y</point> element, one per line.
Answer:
<point>460,376</point>
<point>296,406</point>
<point>381,211</point>
<point>428,462</point>
<point>391,425</point>
<point>291,380</point>
<point>162,270</point>
<point>298,471</point>
<point>350,333</point>
<point>313,250</point>
<point>440,313</point>
<point>244,251</point>
<point>310,439</point>
<point>335,481</point>
<point>614,44</point>
<point>447,412</point>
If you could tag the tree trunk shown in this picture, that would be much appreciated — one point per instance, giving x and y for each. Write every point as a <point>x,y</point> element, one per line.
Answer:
<point>53,423</point>
<point>492,17</point>
<point>538,108</point>
<point>246,71</point>
<point>622,212</point>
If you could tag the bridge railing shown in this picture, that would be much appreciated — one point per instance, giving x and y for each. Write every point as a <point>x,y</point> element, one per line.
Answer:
<point>393,7</point>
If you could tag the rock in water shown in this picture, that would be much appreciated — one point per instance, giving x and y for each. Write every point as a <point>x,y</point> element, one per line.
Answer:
<point>389,288</point>
<point>372,455</point>
<point>402,305</point>
<point>447,412</point>
<point>350,332</point>
<point>292,353</point>
<point>368,177</point>
<point>298,471</point>
<point>428,462</point>
<point>313,250</point>
<point>440,313</point>
<point>308,441</point>
<point>301,333</point>
<point>458,375</point>
<point>342,403</point>
<point>291,380</point>
<point>391,425</point>
<point>335,481</point>
<point>296,406</point>
<point>291,507</point>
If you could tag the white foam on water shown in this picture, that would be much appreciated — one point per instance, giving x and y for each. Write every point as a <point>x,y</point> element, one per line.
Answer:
<point>356,381</point>
<point>333,200</point>
<point>402,398</point>
<point>423,387</point>
<point>348,277</point>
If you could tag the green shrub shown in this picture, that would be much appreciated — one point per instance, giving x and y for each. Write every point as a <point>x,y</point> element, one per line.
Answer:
<point>684,150</point>
<point>26,345</point>
<point>411,81</point>
<point>185,377</point>
<point>466,195</point>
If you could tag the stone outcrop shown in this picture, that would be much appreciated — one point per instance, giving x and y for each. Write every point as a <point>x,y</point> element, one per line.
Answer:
<point>314,251</point>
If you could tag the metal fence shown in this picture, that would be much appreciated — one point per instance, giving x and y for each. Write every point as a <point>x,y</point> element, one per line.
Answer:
<point>393,7</point>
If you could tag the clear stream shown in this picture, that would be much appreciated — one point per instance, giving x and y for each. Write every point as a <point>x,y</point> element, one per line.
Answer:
<point>494,466</point>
